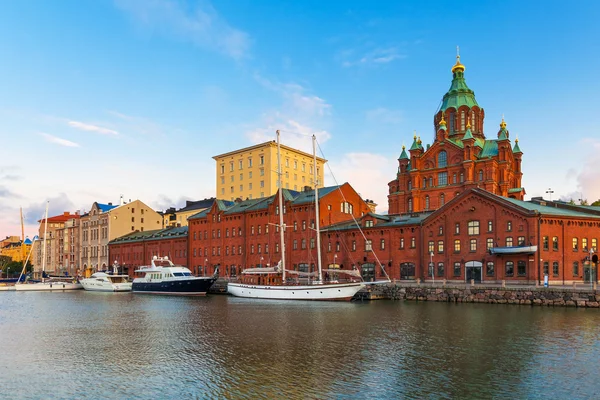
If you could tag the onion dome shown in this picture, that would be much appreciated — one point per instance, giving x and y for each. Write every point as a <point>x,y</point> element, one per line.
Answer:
<point>443,123</point>
<point>459,93</point>
<point>503,132</point>
<point>415,144</point>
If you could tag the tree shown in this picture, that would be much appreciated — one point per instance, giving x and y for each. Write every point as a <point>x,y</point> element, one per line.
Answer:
<point>4,260</point>
<point>583,202</point>
<point>15,267</point>
<point>596,203</point>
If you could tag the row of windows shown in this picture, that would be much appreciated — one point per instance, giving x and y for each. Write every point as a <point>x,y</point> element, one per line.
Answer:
<point>233,250</point>
<point>575,244</point>
<point>261,160</point>
<point>509,269</point>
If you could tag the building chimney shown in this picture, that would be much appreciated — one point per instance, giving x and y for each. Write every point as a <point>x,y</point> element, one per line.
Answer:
<point>121,201</point>
<point>110,204</point>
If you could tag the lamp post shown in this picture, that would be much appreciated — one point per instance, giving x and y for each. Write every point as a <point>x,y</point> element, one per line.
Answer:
<point>591,268</point>
<point>431,266</point>
<point>205,267</point>
<point>261,261</point>
<point>550,191</point>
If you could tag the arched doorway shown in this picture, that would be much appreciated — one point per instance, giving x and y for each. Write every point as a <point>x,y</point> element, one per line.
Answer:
<point>473,270</point>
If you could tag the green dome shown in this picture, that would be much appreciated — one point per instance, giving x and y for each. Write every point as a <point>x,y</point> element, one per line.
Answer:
<point>459,93</point>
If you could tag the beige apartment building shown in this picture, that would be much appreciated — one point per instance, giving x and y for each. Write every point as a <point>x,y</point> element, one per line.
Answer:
<point>69,246</point>
<point>52,243</point>
<point>105,222</point>
<point>251,172</point>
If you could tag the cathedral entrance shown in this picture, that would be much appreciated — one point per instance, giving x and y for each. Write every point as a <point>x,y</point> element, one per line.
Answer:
<point>473,271</point>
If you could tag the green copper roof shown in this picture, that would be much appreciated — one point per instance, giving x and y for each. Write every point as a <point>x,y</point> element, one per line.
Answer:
<point>415,144</point>
<point>459,94</point>
<point>517,149</point>
<point>503,135</point>
<point>468,134</point>
<point>490,149</point>
<point>403,155</point>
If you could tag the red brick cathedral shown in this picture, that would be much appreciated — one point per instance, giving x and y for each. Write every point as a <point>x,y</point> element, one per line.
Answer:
<point>460,157</point>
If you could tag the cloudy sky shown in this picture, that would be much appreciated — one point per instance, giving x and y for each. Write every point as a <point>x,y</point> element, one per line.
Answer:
<point>134,97</point>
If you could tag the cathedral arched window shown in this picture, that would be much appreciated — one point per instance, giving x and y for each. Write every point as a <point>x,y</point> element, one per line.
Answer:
<point>424,183</point>
<point>473,119</point>
<point>451,120</point>
<point>442,159</point>
<point>480,174</point>
<point>462,121</point>
<point>462,177</point>
<point>454,178</point>
<point>410,205</point>
<point>426,202</point>
<point>409,185</point>
<point>430,182</point>
<point>442,199</point>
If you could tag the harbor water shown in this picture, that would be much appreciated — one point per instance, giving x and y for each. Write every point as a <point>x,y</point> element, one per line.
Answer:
<point>82,345</point>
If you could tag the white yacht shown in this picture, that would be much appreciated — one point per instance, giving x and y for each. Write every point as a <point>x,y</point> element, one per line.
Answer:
<point>103,282</point>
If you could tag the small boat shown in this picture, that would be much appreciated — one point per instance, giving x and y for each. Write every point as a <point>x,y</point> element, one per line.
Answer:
<point>103,282</point>
<point>513,250</point>
<point>163,277</point>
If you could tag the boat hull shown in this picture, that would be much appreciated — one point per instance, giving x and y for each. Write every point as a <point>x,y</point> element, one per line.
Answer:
<point>48,286</point>
<point>184,287</point>
<point>335,292</point>
<point>106,286</point>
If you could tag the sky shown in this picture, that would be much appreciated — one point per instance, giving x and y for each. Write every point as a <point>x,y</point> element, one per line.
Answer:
<point>105,98</point>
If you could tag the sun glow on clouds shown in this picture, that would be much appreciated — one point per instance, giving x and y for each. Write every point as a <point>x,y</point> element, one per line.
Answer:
<point>367,173</point>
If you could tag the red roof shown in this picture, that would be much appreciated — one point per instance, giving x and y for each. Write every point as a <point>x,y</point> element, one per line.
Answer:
<point>62,218</point>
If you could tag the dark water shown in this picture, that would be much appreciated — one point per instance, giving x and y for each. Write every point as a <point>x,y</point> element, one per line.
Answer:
<point>85,345</point>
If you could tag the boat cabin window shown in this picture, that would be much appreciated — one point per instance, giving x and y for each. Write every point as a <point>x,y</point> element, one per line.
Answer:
<point>178,273</point>
<point>187,273</point>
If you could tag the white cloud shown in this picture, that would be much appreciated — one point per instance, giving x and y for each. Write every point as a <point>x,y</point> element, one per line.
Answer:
<point>384,115</point>
<point>92,128</point>
<point>295,117</point>
<point>57,140</point>
<point>368,173</point>
<point>377,56</point>
<point>588,180</point>
<point>199,24</point>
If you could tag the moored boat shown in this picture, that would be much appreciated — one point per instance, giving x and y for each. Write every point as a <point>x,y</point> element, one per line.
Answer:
<point>103,282</point>
<point>163,277</point>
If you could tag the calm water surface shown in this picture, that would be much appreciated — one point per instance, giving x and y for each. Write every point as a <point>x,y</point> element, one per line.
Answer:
<point>84,345</point>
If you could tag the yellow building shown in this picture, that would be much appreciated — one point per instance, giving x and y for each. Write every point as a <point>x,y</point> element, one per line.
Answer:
<point>13,248</point>
<point>251,172</point>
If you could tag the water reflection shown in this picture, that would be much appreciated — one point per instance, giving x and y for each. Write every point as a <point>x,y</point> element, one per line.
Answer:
<point>104,345</point>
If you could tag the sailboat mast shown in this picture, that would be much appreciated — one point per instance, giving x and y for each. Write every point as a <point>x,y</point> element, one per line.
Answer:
<point>44,246</point>
<point>22,235</point>
<point>316,176</point>
<point>281,207</point>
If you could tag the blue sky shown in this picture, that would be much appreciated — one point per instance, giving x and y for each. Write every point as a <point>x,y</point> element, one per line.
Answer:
<point>103,98</point>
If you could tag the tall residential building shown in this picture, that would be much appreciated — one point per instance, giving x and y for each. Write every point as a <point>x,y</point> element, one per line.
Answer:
<point>461,156</point>
<point>53,242</point>
<point>105,222</point>
<point>251,172</point>
<point>69,246</point>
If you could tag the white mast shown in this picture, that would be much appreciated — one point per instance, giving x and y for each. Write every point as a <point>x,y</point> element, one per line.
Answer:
<point>320,277</point>
<point>281,207</point>
<point>44,248</point>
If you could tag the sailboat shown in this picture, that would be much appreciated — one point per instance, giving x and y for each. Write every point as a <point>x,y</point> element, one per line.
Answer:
<point>52,284</point>
<point>271,283</point>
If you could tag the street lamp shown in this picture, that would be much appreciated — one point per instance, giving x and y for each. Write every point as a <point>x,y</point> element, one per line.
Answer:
<point>205,267</point>
<point>431,266</point>
<point>550,191</point>
<point>591,268</point>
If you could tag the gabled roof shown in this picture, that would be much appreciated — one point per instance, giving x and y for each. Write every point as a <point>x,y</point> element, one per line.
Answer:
<point>156,234</point>
<point>490,149</point>
<point>386,221</point>
<point>309,195</point>
<point>105,207</point>
<point>197,205</point>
